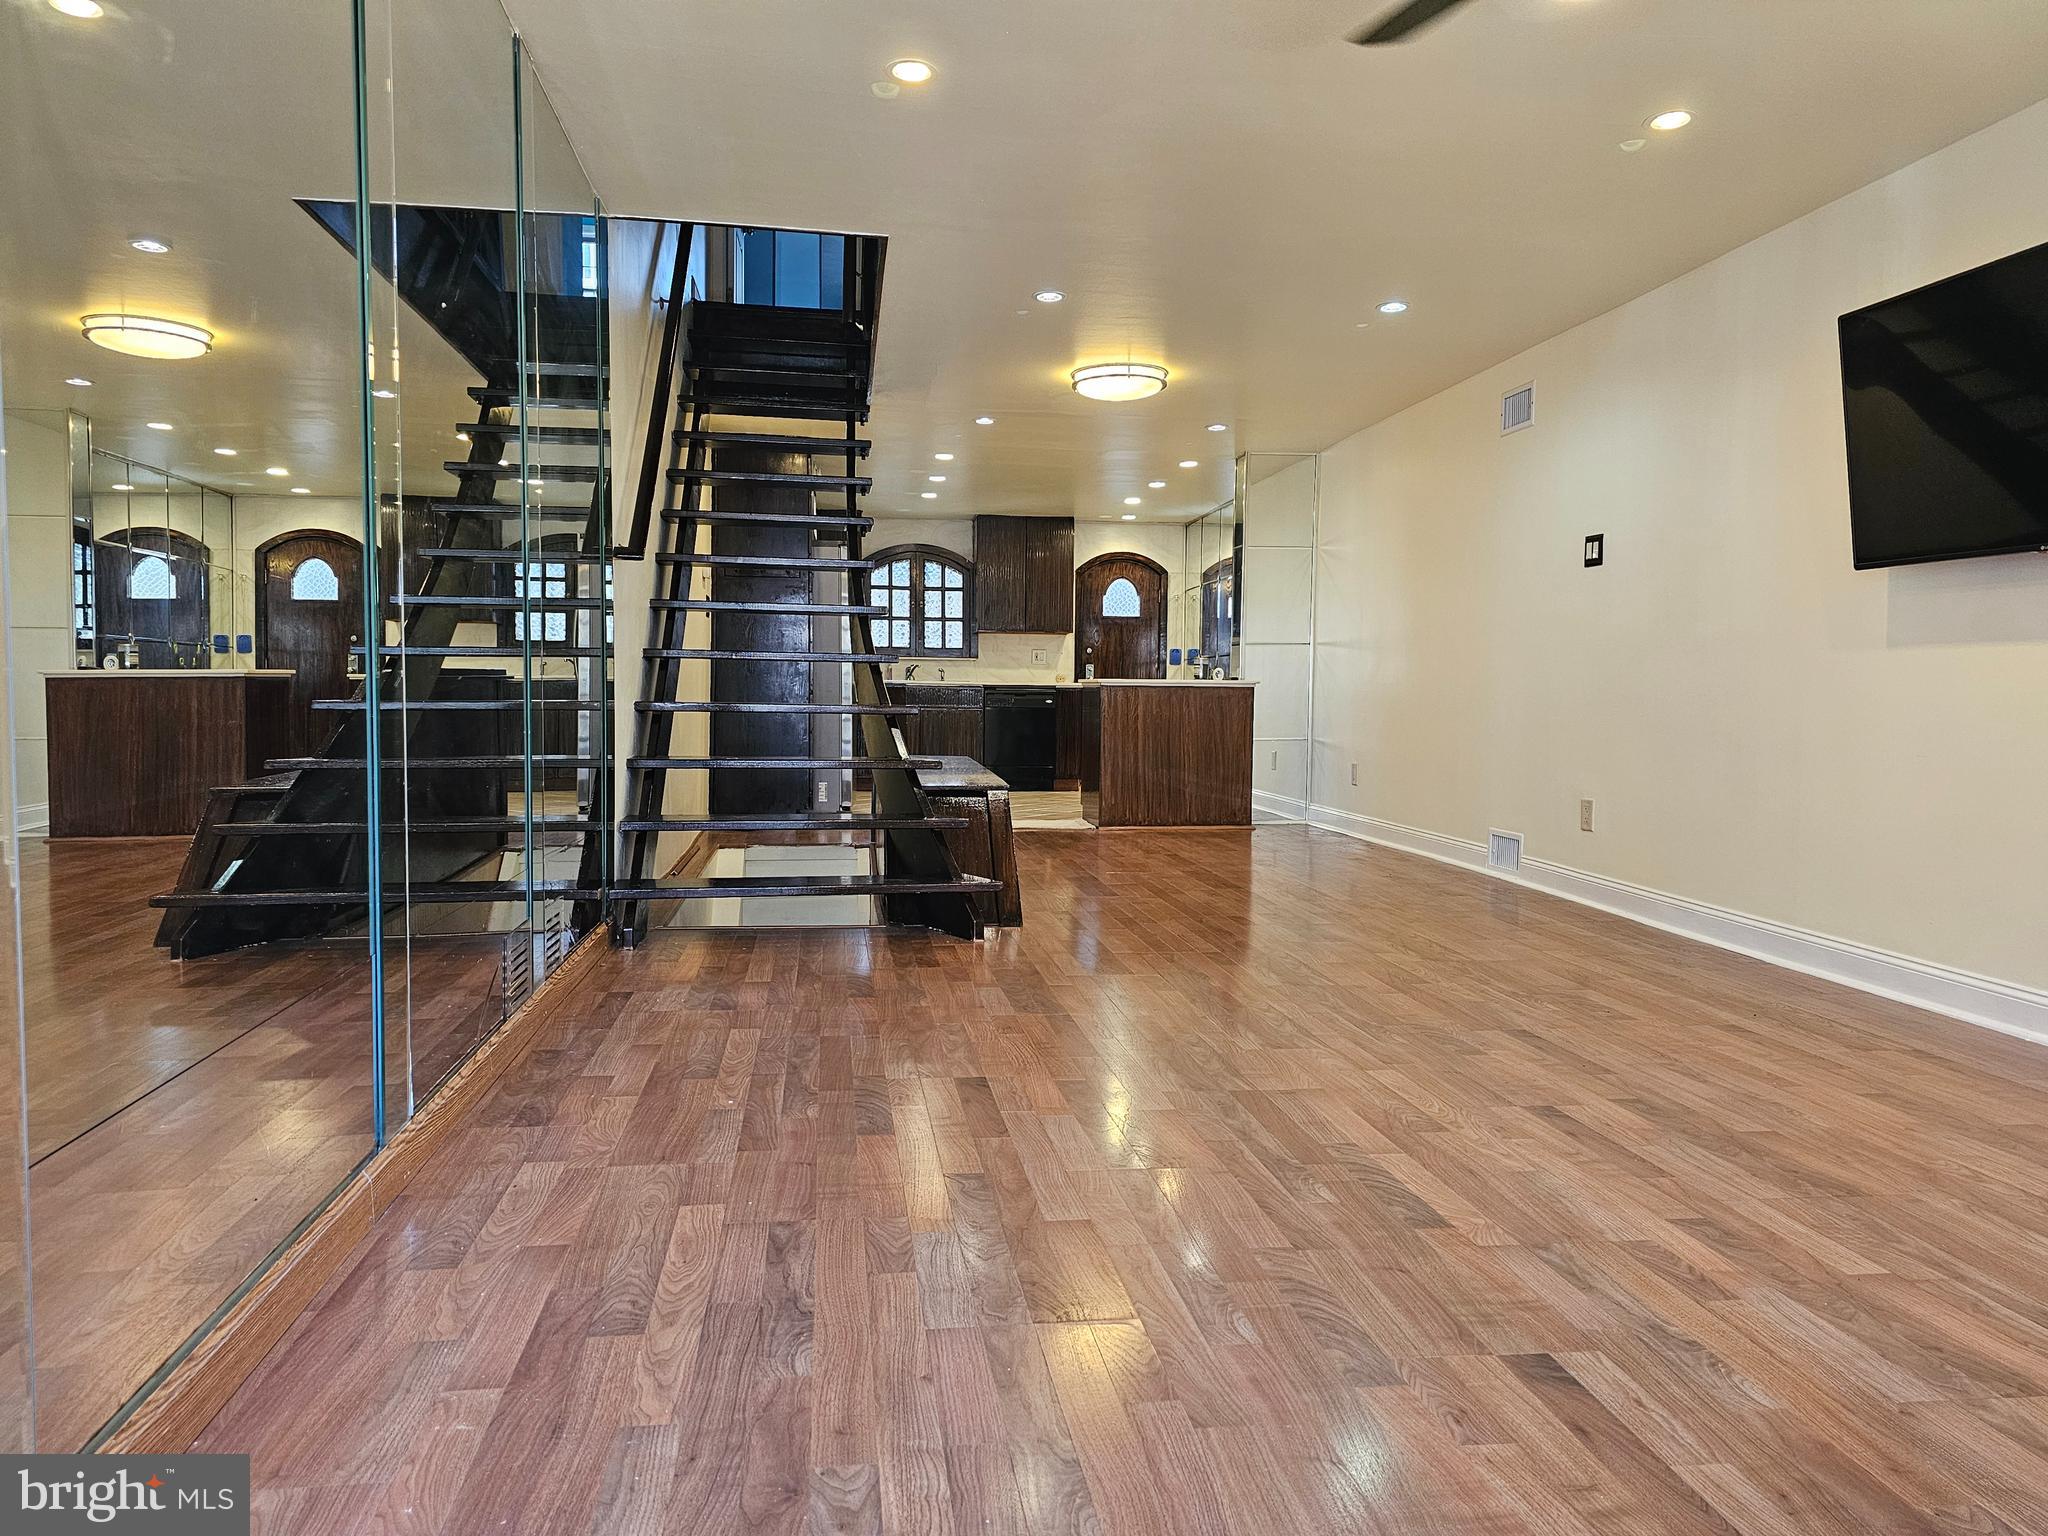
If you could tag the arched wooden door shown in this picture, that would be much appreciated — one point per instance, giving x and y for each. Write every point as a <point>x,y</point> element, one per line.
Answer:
<point>1120,616</point>
<point>152,586</point>
<point>309,611</point>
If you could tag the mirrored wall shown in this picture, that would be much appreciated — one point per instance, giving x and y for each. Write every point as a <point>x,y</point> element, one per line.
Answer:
<point>309,637</point>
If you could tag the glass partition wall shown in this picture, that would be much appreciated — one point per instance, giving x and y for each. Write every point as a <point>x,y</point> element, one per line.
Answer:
<point>309,637</point>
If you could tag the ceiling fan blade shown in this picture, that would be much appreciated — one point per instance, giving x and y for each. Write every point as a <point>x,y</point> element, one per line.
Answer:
<point>1411,18</point>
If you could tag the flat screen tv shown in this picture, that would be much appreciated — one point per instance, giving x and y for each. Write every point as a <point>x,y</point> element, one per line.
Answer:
<point>1945,396</point>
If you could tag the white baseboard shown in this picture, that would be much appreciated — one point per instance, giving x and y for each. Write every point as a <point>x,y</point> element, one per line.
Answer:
<point>2005,1006</point>
<point>1286,807</point>
<point>31,818</point>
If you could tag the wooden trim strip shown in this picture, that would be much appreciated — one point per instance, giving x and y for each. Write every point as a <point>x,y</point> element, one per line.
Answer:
<point>171,1417</point>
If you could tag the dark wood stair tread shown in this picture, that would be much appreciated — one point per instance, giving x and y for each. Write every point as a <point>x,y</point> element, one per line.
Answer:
<point>814,519</point>
<point>837,447</point>
<point>769,477</point>
<point>747,707</point>
<point>565,472</point>
<point>674,653</point>
<point>767,562</point>
<point>418,764</point>
<point>484,394</point>
<point>442,891</point>
<point>798,610</point>
<point>541,650</point>
<point>796,821</point>
<point>642,764</point>
<point>804,885</point>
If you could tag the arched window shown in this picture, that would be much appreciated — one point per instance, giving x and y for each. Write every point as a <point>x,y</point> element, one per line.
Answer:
<point>1120,600</point>
<point>152,579</point>
<point>929,595</point>
<point>314,581</point>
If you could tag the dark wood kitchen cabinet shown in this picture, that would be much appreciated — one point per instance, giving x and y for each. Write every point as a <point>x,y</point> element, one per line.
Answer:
<point>1024,575</point>
<point>950,722</point>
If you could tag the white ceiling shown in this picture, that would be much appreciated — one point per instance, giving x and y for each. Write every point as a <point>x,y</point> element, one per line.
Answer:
<point>1227,187</point>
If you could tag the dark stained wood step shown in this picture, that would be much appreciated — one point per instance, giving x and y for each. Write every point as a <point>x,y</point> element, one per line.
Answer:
<point>796,821</point>
<point>555,513</point>
<point>513,554</point>
<point>488,395</point>
<point>715,886</point>
<point>643,764</point>
<point>812,519</point>
<point>748,707</point>
<point>434,891</point>
<point>769,477</point>
<point>500,604</point>
<point>717,605</point>
<point>457,705</point>
<point>793,408</point>
<point>419,764</point>
<point>767,562</point>
<point>881,658</point>
<point>564,472</point>
<point>591,436</point>
<point>836,447</point>
<point>438,825</point>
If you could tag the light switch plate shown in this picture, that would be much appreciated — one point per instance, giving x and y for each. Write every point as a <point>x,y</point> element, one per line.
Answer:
<point>1596,549</point>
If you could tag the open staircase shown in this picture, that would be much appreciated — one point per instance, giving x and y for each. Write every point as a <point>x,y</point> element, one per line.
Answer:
<point>759,578</point>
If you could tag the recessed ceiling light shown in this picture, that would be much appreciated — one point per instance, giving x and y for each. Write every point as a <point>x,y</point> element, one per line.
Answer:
<point>226,453</point>
<point>911,71</point>
<point>1190,463</point>
<point>1394,307</point>
<point>1217,426</point>
<point>385,394</point>
<point>278,470</point>
<point>1119,381</point>
<point>943,458</point>
<point>1048,296</point>
<point>1134,501</point>
<point>936,479</point>
<point>929,495</point>
<point>77,383</point>
<point>1157,485</point>
<point>1672,121</point>
<point>984,421</point>
<point>158,426</point>
<point>146,336</point>
<point>1130,517</point>
<point>84,10</point>
<point>120,485</point>
<point>149,245</point>
<point>300,490</point>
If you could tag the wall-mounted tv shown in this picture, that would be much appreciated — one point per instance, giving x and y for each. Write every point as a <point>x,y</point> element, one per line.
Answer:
<point>1945,396</point>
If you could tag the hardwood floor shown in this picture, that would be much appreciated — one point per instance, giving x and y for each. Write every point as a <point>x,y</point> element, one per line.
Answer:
<point>184,1117</point>
<point>1265,1182</point>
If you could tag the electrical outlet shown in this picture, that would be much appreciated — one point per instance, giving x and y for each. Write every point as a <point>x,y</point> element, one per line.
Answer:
<point>1040,659</point>
<point>1354,775</point>
<point>1585,815</point>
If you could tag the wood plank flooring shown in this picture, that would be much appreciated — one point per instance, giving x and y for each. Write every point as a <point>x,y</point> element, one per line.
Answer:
<point>1265,1182</point>
<point>184,1117</point>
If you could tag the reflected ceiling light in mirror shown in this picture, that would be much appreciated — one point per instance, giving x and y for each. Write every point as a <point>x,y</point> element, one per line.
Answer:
<point>84,10</point>
<point>150,245</point>
<point>1048,296</point>
<point>1672,121</point>
<point>1134,501</point>
<point>77,383</point>
<point>929,495</point>
<point>1155,485</point>
<point>123,485</point>
<point>385,394</point>
<point>158,426</point>
<point>300,490</point>
<point>147,336</point>
<point>1394,307</point>
<point>226,453</point>
<point>1119,381</point>
<point>910,71</point>
<point>984,421</point>
<point>277,471</point>
<point>1190,463</point>
<point>1217,426</point>
<point>943,458</point>
<point>1130,517</point>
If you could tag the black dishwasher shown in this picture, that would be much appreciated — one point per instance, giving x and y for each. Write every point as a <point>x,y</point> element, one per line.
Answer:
<point>1019,735</point>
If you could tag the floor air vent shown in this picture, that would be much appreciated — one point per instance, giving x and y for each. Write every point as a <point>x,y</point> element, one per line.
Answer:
<point>1504,850</point>
<point>1518,410</point>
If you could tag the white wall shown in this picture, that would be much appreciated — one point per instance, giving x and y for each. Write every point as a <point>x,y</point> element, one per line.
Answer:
<point>1763,728</point>
<point>38,474</point>
<point>1016,658</point>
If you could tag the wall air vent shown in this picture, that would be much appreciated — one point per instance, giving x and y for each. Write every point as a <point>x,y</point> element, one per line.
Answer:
<point>1504,850</point>
<point>1518,410</point>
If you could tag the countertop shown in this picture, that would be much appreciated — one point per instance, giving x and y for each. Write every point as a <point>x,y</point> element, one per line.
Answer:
<point>1161,682</point>
<point>174,672</point>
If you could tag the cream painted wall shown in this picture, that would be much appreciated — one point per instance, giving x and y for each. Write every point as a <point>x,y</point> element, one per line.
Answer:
<point>38,476</point>
<point>1762,727</point>
<point>1014,658</point>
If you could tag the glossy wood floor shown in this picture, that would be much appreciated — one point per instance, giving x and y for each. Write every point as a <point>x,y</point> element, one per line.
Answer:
<point>1264,1182</point>
<point>183,1118</point>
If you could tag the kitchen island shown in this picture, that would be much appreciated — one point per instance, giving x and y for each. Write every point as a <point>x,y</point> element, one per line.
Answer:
<point>1165,753</point>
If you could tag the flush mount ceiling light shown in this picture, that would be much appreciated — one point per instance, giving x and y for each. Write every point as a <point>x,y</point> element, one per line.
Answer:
<point>1130,517</point>
<point>1394,307</point>
<point>1190,463</point>
<point>1048,296</point>
<point>226,453</point>
<point>150,245</point>
<point>78,383</point>
<point>1217,426</point>
<point>984,421</point>
<point>943,458</point>
<point>1156,485</point>
<point>278,470</point>
<point>84,10</point>
<point>120,485</point>
<point>910,71</point>
<point>1672,121</point>
<point>936,479</point>
<point>929,495</point>
<point>158,426</point>
<point>147,336</point>
<point>1119,381</point>
<point>1134,501</point>
<point>300,490</point>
